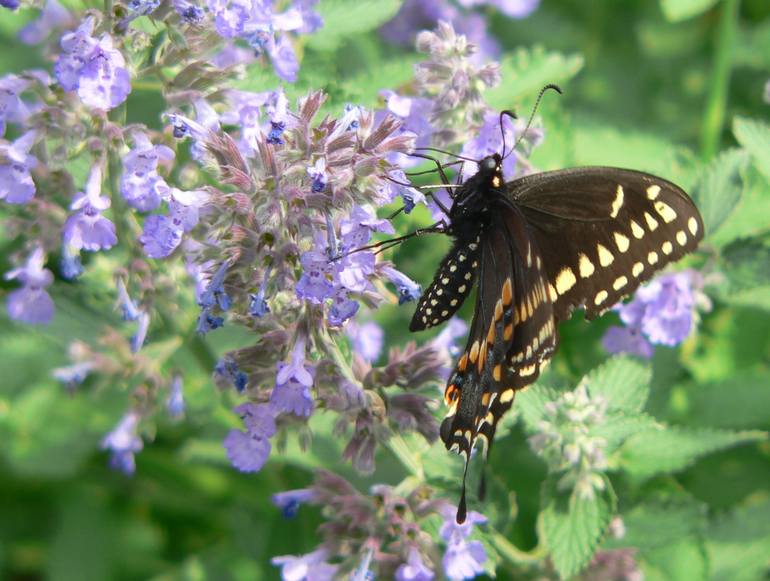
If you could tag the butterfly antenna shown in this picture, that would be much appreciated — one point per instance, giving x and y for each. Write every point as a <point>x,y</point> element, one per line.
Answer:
<point>503,114</point>
<point>532,115</point>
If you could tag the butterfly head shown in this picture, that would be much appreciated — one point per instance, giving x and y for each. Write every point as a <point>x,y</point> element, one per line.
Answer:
<point>491,170</point>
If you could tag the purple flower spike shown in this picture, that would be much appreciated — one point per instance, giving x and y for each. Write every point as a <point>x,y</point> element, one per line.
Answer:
<point>16,185</point>
<point>463,559</point>
<point>123,442</point>
<point>367,339</point>
<point>141,185</point>
<point>160,236</point>
<point>293,381</point>
<point>414,569</point>
<point>12,107</point>
<point>310,567</point>
<point>175,401</point>
<point>88,229</point>
<point>290,501</point>
<point>247,452</point>
<point>228,369</point>
<point>342,309</point>
<point>31,303</point>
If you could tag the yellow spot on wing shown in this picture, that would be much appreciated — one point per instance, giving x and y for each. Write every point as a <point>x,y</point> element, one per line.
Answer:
<point>681,237</point>
<point>666,212</point>
<point>652,192</point>
<point>601,296</point>
<point>667,248</point>
<point>652,257</point>
<point>586,266</point>
<point>506,396</point>
<point>565,280</point>
<point>617,202</point>
<point>621,241</point>
<point>637,230</point>
<point>652,223</point>
<point>692,224</point>
<point>637,269</point>
<point>620,282</point>
<point>605,256</point>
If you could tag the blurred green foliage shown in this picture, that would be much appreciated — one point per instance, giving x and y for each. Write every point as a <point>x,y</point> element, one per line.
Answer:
<point>672,87</point>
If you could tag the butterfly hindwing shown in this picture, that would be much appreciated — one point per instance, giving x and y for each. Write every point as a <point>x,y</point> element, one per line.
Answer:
<point>603,231</point>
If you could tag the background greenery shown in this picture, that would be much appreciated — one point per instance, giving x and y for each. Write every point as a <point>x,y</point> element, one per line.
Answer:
<point>673,87</point>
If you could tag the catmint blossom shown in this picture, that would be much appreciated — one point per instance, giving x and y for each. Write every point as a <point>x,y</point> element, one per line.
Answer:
<point>53,17</point>
<point>414,569</point>
<point>490,140</point>
<point>141,185</point>
<point>662,312</point>
<point>408,290</point>
<point>511,8</point>
<point>93,68</point>
<point>565,441</point>
<point>367,339</point>
<point>248,450</point>
<point>310,567</point>
<point>290,500</point>
<point>12,108</point>
<point>227,370</point>
<point>175,404</point>
<point>293,381</point>
<point>464,558</point>
<point>214,297</point>
<point>73,375</point>
<point>16,164</point>
<point>87,229</point>
<point>31,303</point>
<point>123,443</point>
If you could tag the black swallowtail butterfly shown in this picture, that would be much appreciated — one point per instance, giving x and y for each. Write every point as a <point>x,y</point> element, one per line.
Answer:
<point>538,247</point>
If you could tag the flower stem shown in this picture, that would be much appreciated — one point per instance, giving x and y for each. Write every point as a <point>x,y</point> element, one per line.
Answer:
<point>513,555</point>
<point>716,103</point>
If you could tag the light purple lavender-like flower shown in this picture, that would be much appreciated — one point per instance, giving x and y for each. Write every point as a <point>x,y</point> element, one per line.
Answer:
<point>123,442</point>
<point>93,68</point>
<point>70,266</point>
<point>309,567</point>
<point>31,303</point>
<point>662,312</point>
<point>73,375</point>
<point>463,558</point>
<point>53,17</point>
<point>137,339</point>
<point>214,296</point>
<point>12,108</point>
<point>160,236</point>
<point>16,184</point>
<point>248,451</point>
<point>511,8</point>
<point>317,173</point>
<point>188,12</point>
<point>414,569</point>
<point>143,7</point>
<point>141,185</point>
<point>489,140</point>
<point>175,405</point>
<point>289,501</point>
<point>367,339</point>
<point>408,290</point>
<point>293,381</point>
<point>87,229</point>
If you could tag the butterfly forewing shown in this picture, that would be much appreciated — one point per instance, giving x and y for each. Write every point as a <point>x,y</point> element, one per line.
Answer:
<point>604,231</point>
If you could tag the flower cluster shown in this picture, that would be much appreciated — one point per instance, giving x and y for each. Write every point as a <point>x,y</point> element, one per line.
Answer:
<point>662,312</point>
<point>564,440</point>
<point>383,534</point>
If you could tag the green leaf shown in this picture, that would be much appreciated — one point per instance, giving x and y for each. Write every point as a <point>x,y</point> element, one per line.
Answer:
<point>623,382</point>
<point>738,402</point>
<point>675,10</point>
<point>660,522</point>
<point>670,449</point>
<point>719,187</point>
<point>572,527</point>
<point>344,18</point>
<point>617,428</point>
<point>749,218</point>
<point>680,560</point>
<point>738,544</point>
<point>746,266</point>
<point>755,137</point>
<point>531,404</point>
<point>528,70</point>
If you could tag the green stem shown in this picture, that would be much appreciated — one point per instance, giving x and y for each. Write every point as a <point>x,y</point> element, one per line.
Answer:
<point>716,103</point>
<point>514,555</point>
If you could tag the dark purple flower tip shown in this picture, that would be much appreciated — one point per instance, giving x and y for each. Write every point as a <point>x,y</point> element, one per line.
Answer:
<point>228,369</point>
<point>127,305</point>
<point>318,175</point>
<point>175,405</point>
<point>208,322</point>
<point>192,14</point>
<point>215,291</point>
<point>276,131</point>
<point>123,442</point>
<point>73,375</point>
<point>290,500</point>
<point>247,452</point>
<point>70,266</point>
<point>143,7</point>
<point>408,290</point>
<point>10,4</point>
<point>258,305</point>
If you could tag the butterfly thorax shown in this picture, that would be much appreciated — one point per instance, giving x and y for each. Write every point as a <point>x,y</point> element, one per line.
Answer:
<point>470,209</point>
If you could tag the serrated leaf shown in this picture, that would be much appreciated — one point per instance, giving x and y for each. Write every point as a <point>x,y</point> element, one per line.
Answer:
<point>719,187</point>
<point>623,382</point>
<point>749,218</point>
<point>680,560</point>
<point>746,266</point>
<point>738,544</point>
<point>660,522</point>
<point>755,137</point>
<point>676,10</point>
<point>528,70</point>
<point>530,404</point>
<point>617,428</point>
<point>344,18</point>
<point>670,449</point>
<point>572,527</point>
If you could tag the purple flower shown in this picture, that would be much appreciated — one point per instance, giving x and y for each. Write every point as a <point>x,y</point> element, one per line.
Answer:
<point>143,7</point>
<point>290,500</point>
<point>315,284</point>
<point>227,369</point>
<point>258,306</point>
<point>408,290</point>
<point>175,401</point>
<point>160,236</point>
<point>488,141</point>
<point>248,451</point>
<point>70,266</point>
<point>511,8</point>
<point>284,59</point>
<point>463,558</point>
<point>188,12</point>
<point>141,185</point>
<point>31,303</point>
<point>662,312</point>
<point>293,381</point>
<point>127,305</point>
<point>342,309</point>
<point>73,375</point>
<point>10,4</point>
<point>88,229</point>
<point>123,442</point>
<point>53,16</point>
<point>317,173</point>
<point>93,67</point>
<point>137,339</point>
<point>310,567</point>
<point>16,185</point>
<point>367,339</point>
<point>414,569</point>
<point>214,296</point>
<point>12,108</point>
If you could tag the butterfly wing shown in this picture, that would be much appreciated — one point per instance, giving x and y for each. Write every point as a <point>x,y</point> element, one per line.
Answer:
<point>603,231</point>
<point>451,285</point>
